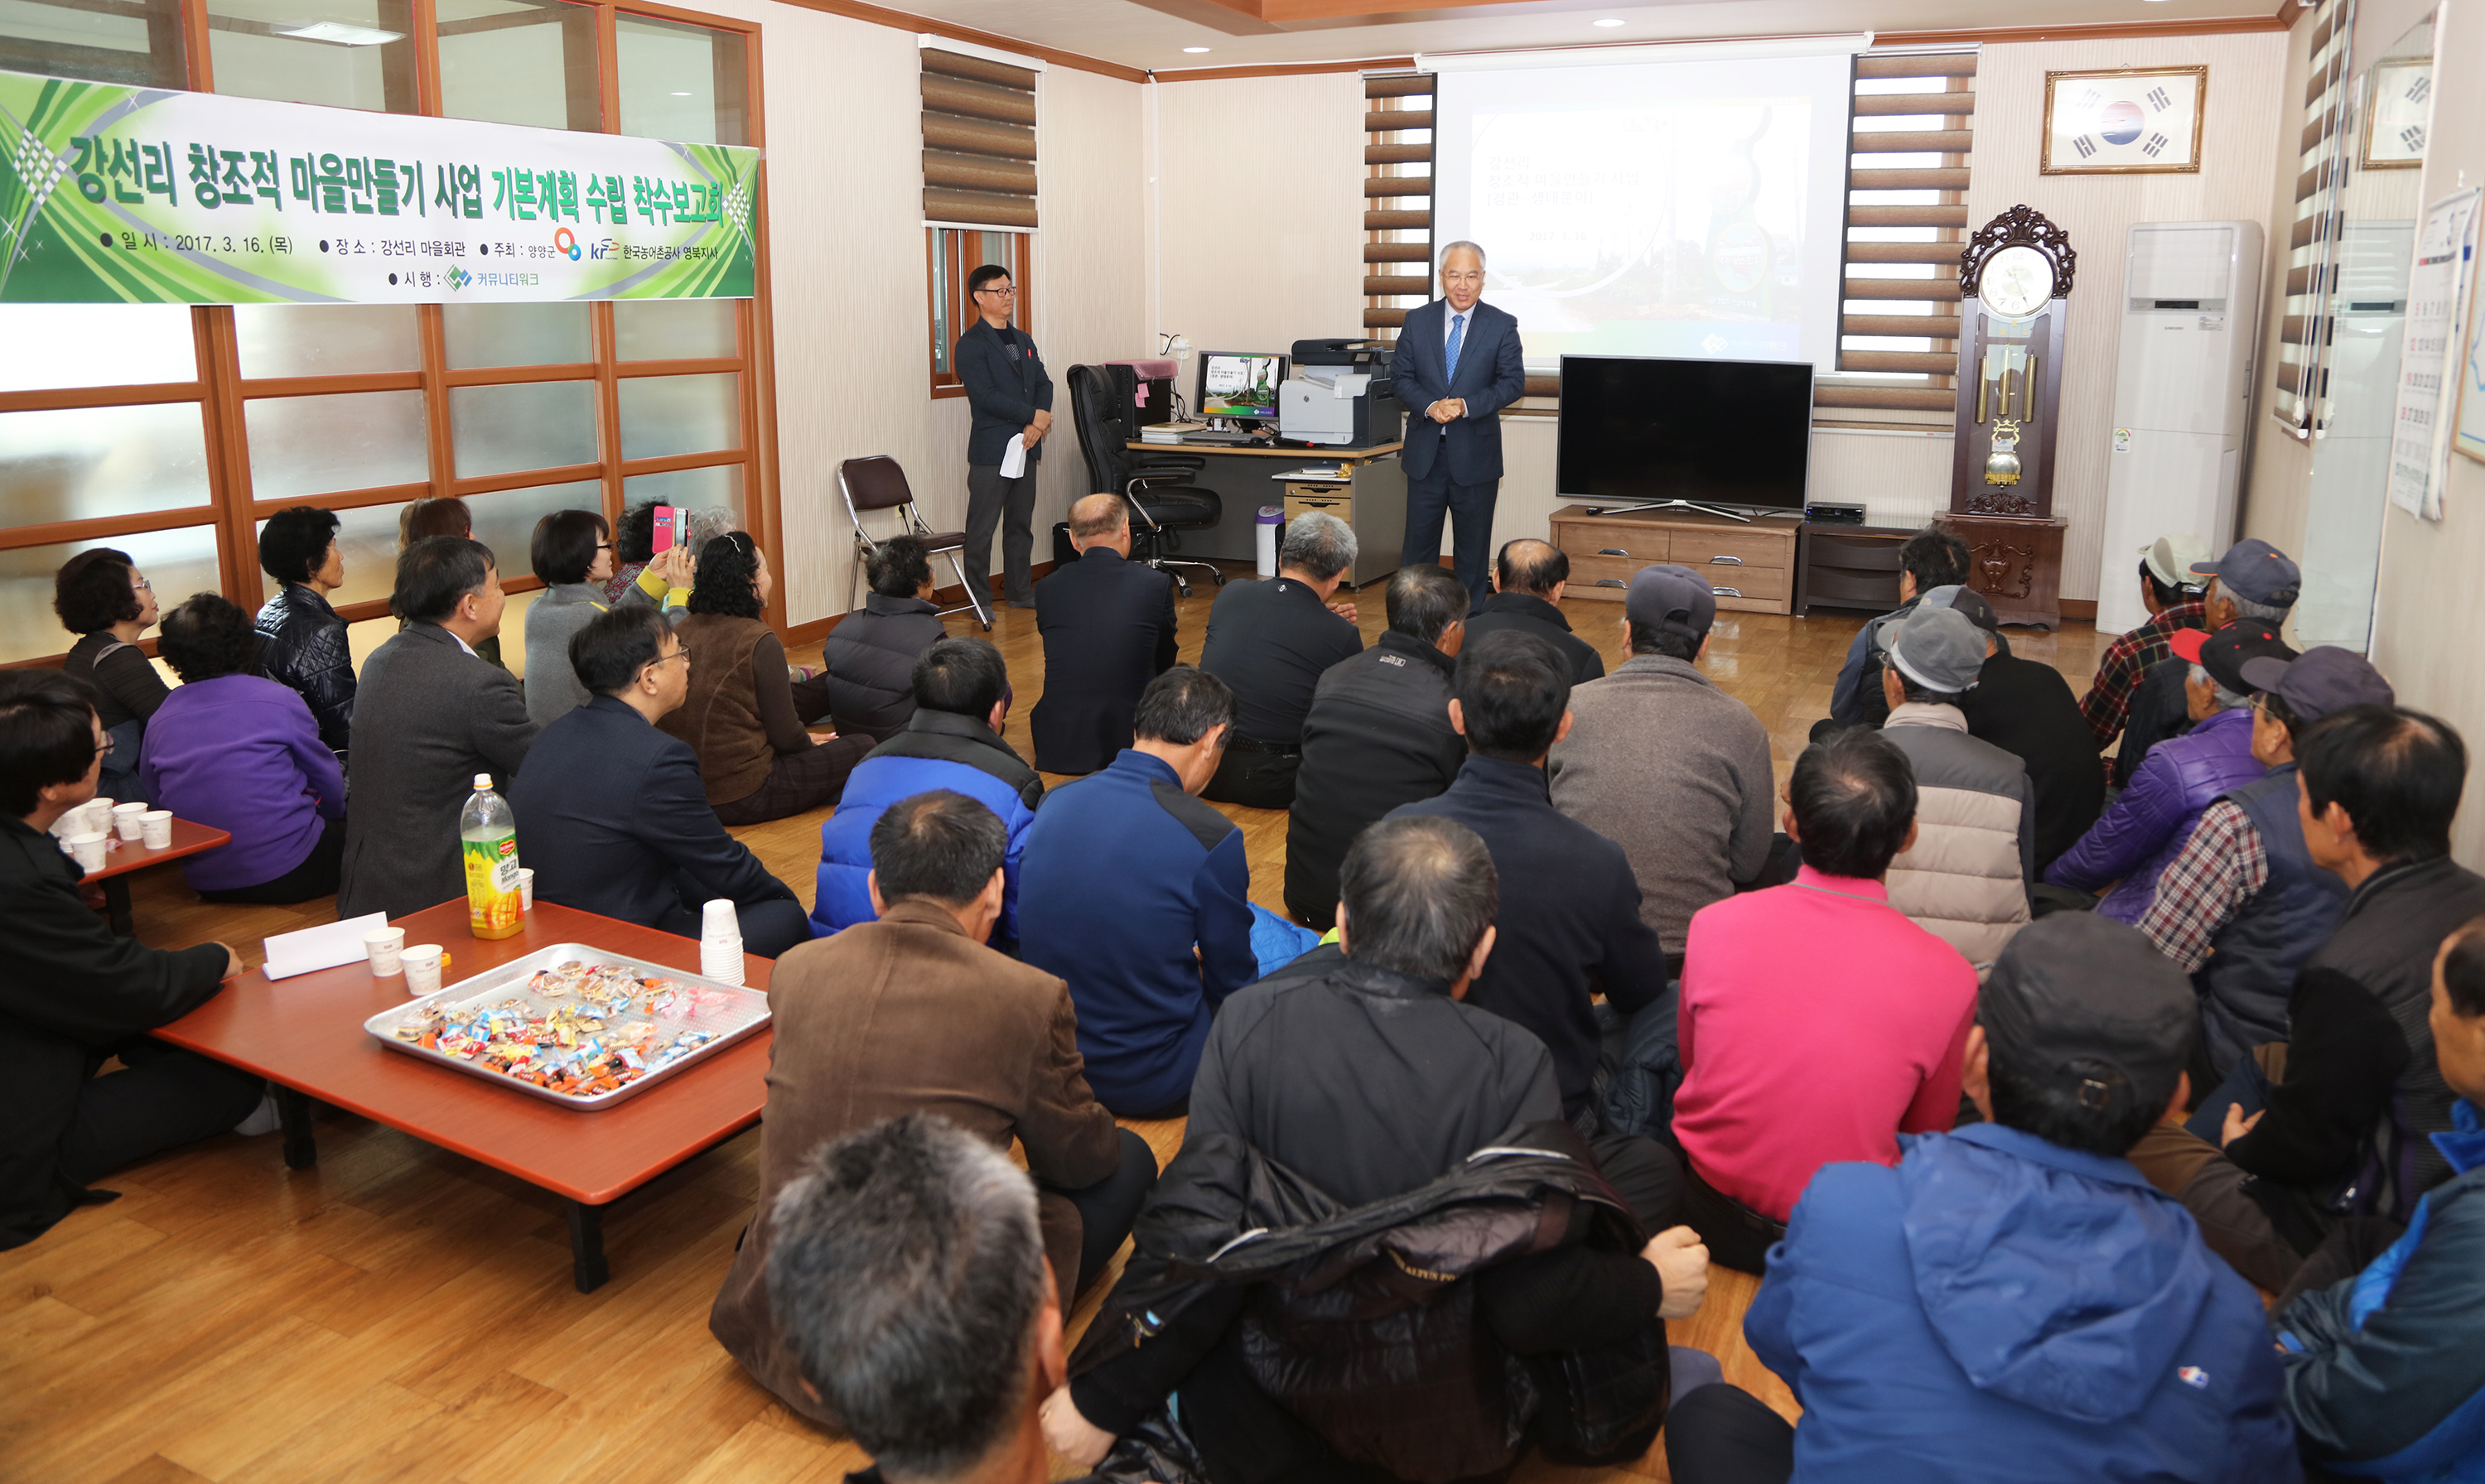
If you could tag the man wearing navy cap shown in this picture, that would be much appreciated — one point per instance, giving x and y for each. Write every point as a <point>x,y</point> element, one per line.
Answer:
<point>2244,906</point>
<point>2253,581</point>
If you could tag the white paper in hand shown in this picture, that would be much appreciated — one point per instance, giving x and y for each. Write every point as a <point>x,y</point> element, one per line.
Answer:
<point>319,948</point>
<point>1014,458</point>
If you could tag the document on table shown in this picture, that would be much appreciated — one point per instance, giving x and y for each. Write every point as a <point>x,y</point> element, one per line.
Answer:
<point>319,948</point>
<point>1014,457</point>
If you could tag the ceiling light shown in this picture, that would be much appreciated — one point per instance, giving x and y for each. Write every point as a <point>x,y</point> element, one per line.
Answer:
<point>338,32</point>
<point>1610,21</point>
<point>1194,49</point>
<point>681,94</point>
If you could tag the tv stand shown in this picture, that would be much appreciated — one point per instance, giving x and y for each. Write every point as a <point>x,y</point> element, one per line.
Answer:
<point>1669,504</point>
<point>1751,567</point>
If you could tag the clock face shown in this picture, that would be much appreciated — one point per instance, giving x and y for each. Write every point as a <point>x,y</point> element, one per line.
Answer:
<point>2016,282</point>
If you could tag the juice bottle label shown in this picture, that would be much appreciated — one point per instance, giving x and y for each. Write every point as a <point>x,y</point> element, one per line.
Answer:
<point>492,901</point>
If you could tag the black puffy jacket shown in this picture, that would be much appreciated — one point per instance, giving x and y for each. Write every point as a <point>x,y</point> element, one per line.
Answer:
<point>1364,1323</point>
<point>870,656</point>
<point>302,643</point>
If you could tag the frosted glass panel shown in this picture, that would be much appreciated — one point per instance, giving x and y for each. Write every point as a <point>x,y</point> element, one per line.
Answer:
<point>302,446</point>
<point>326,339</point>
<point>48,346</point>
<point>673,329</point>
<point>178,563</point>
<point>682,82</point>
<point>77,463</point>
<point>668,415</point>
<point>344,53</point>
<point>539,425</point>
<point>482,335</point>
<point>516,62</point>
<point>718,486</point>
<point>137,44</point>
<point>368,538</point>
<point>504,520</point>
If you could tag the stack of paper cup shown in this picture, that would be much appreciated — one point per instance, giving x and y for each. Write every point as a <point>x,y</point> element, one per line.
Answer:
<point>721,943</point>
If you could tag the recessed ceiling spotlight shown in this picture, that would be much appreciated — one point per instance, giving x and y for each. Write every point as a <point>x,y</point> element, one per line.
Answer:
<point>1194,49</point>
<point>681,94</point>
<point>1610,21</point>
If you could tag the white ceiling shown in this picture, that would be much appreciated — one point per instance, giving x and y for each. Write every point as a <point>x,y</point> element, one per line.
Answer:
<point>1153,32</point>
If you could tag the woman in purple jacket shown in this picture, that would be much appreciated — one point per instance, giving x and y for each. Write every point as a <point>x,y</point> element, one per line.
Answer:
<point>236,751</point>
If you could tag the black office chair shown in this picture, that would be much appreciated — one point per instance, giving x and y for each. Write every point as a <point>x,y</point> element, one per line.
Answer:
<point>1163,499</point>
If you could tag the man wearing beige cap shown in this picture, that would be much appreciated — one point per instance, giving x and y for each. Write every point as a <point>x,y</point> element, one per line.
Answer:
<point>2172,593</point>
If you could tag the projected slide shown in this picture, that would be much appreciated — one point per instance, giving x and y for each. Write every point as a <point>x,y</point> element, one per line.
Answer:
<point>1686,209</point>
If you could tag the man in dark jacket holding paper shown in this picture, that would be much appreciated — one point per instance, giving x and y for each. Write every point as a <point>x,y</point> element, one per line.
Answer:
<point>1011,398</point>
<point>76,994</point>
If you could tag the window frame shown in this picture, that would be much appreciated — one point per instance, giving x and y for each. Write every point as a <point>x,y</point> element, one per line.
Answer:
<point>944,276</point>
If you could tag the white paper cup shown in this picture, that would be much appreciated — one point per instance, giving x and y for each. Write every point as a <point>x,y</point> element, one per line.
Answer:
<point>156,829</point>
<point>422,962</point>
<point>525,889</point>
<point>99,810</point>
<point>87,848</point>
<point>719,921</point>
<point>386,946</point>
<point>125,820</point>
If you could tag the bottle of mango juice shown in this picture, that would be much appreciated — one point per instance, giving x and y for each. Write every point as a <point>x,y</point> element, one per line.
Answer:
<point>488,834</point>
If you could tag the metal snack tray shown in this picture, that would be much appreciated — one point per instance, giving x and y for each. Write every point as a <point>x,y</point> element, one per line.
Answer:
<point>745,1012</point>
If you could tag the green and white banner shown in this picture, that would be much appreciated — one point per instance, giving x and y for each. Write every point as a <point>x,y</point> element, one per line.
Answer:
<point>111,194</point>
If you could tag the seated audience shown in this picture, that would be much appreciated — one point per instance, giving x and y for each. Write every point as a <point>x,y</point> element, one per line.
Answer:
<point>2133,842</point>
<point>1528,579</point>
<point>2025,707</point>
<point>1109,628</point>
<point>101,598</point>
<point>867,686</point>
<point>960,691</point>
<point>1929,559</point>
<point>910,1285</point>
<point>1270,642</point>
<point>301,638</point>
<point>2339,1118</point>
<point>911,1014</point>
<point>2243,906</point>
<point>612,816</point>
<point>2171,594</point>
<point>1377,735</point>
<point>1817,1022</point>
<point>236,750</point>
<point>1964,875</point>
<point>634,548</point>
<point>1667,763</point>
<point>427,718</point>
<point>2012,1301</point>
<point>2385,1359</point>
<point>1141,896</point>
<point>77,993</point>
<point>572,559</point>
<point>2255,582</point>
<point>1367,1081</point>
<point>444,515</point>
<point>1569,920</point>
<point>758,760</point>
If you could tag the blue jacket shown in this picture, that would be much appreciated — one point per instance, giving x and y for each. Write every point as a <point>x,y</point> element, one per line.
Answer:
<point>1126,876</point>
<point>2385,1370</point>
<point>2149,823</point>
<point>1492,375</point>
<point>939,749</point>
<point>1005,384</point>
<point>2001,1308</point>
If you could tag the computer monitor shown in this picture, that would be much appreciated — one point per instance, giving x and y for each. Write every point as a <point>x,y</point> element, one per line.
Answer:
<point>1239,384</point>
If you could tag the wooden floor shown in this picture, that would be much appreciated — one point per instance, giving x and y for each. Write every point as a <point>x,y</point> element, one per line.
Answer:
<point>397,1312</point>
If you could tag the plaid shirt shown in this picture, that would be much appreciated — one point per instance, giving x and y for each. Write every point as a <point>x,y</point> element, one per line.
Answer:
<point>2109,698</point>
<point>2221,866</point>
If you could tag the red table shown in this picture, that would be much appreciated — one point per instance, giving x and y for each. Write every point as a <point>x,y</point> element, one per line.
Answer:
<point>304,1035</point>
<point>128,855</point>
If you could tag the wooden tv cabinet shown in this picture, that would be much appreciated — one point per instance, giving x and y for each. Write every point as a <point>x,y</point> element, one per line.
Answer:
<point>1750,567</point>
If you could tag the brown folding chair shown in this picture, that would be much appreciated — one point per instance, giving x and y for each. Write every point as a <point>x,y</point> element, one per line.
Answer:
<point>877,483</point>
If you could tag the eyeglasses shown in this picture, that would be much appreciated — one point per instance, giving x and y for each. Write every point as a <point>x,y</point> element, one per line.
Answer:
<point>683,655</point>
<point>1006,293</point>
<point>105,750</point>
<point>140,584</point>
<point>604,546</point>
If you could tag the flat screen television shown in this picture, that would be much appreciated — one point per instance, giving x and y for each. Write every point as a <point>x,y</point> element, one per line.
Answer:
<point>1647,430</point>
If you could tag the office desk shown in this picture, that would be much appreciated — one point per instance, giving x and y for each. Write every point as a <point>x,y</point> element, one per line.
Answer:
<point>1372,499</point>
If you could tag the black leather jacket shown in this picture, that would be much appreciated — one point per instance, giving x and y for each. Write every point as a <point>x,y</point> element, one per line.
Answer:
<point>302,643</point>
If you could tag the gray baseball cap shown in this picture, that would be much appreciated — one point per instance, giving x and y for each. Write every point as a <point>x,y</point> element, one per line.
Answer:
<point>2085,1003</point>
<point>1667,598</point>
<point>2257,572</point>
<point>1964,599</point>
<point>1939,649</point>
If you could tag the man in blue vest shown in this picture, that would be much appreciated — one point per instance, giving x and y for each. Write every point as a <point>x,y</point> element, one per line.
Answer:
<point>2244,906</point>
<point>1458,366</point>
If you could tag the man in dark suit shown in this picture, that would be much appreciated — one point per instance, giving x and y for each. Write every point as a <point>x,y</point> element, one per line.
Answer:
<point>1458,366</point>
<point>428,716</point>
<point>1011,398</point>
<point>611,815</point>
<point>1109,628</point>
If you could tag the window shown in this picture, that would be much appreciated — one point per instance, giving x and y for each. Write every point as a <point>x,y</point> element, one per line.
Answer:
<point>1906,222</point>
<point>957,252</point>
<point>174,432</point>
<point>979,191</point>
<point>2304,331</point>
<point>1398,199</point>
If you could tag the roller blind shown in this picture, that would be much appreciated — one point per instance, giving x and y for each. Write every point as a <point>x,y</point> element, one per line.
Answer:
<point>1907,223</point>
<point>2304,331</point>
<point>1396,199</point>
<point>978,141</point>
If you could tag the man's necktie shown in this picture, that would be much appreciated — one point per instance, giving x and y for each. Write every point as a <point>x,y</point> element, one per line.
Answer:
<point>1458,336</point>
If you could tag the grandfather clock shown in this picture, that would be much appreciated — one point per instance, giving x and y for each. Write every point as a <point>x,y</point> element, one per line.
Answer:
<point>2014,282</point>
